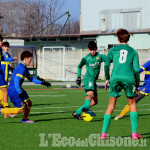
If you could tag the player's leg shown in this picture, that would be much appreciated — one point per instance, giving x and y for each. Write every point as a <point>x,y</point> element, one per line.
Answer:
<point>94,101</point>
<point>3,86</point>
<point>28,105</point>
<point>5,96</point>
<point>115,91</point>
<point>87,102</point>
<point>130,91</point>
<point>127,107</point>
<point>134,117</point>
<point>107,116</point>
<point>27,108</point>
<point>1,97</point>
<point>90,88</point>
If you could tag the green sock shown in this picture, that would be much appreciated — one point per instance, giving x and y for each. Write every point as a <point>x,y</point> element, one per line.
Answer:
<point>106,123</point>
<point>86,105</point>
<point>134,121</point>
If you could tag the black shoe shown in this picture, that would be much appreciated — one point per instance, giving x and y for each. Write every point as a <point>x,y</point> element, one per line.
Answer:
<point>88,111</point>
<point>76,115</point>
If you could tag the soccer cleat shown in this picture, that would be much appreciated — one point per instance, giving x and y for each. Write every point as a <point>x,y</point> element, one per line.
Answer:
<point>104,136</point>
<point>118,117</point>
<point>27,121</point>
<point>77,116</point>
<point>136,136</point>
<point>88,111</point>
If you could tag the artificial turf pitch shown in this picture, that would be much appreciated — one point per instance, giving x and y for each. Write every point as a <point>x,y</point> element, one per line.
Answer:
<point>52,112</point>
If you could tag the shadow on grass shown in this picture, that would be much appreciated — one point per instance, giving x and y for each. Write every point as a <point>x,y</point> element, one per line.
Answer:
<point>146,135</point>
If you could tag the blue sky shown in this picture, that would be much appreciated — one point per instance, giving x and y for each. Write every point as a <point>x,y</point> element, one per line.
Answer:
<point>74,8</point>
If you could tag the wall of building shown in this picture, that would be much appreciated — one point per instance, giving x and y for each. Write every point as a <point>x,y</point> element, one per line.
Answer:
<point>137,41</point>
<point>115,13</point>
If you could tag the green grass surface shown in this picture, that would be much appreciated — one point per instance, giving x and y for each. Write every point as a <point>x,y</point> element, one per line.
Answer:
<point>52,113</point>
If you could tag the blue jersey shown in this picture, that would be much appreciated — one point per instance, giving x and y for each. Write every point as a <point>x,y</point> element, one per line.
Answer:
<point>145,89</point>
<point>146,68</point>
<point>19,74</point>
<point>5,64</point>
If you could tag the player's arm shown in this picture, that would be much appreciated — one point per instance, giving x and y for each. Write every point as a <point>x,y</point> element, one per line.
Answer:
<point>82,63</point>
<point>103,57</point>
<point>7,59</point>
<point>19,76</point>
<point>136,69</point>
<point>145,66</point>
<point>107,68</point>
<point>107,65</point>
<point>37,81</point>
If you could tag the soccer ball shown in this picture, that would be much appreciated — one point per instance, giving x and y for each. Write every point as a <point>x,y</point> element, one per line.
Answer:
<point>87,117</point>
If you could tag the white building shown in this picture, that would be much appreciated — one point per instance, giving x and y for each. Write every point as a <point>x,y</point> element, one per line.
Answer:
<point>109,15</point>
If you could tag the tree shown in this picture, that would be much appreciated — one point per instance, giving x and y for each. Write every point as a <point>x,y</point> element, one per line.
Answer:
<point>30,17</point>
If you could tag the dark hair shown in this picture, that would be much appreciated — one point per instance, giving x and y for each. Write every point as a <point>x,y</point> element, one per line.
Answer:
<point>5,44</point>
<point>1,38</point>
<point>92,45</point>
<point>26,54</point>
<point>123,35</point>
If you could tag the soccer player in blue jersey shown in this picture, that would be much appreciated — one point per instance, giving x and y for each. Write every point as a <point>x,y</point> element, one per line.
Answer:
<point>3,83</point>
<point>144,90</point>
<point>5,65</point>
<point>18,95</point>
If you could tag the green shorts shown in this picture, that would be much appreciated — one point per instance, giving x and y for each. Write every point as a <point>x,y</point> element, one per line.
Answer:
<point>90,85</point>
<point>117,86</point>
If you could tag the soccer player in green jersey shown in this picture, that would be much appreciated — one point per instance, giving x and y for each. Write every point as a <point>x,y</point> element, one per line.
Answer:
<point>125,75</point>
<point>92,61</point>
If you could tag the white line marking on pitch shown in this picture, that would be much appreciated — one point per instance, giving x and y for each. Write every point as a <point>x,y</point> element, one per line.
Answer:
<point>42,92</point>
<point>80,106</point>
<point>48,95</point>
<point>72,111</point>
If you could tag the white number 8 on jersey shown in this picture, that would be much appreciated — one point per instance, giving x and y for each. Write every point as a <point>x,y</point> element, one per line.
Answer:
<point>123,56</point>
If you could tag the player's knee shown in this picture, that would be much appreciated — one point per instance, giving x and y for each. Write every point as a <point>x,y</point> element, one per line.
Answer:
<point>96,102</point>
<point>4,89</point>
<point>132,103</point>
<point>90,96</point>
<point>111,107</point>
<point>29,103</point>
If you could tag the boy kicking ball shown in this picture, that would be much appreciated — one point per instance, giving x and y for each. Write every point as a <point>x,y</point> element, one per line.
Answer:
<point>92,61</point>
<point>18,95</point>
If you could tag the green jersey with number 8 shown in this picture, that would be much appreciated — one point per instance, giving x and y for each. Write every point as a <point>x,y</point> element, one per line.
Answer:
<point>126,64</point>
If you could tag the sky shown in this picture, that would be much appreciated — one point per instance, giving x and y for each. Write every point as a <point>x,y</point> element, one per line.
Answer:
<point>74,8</point>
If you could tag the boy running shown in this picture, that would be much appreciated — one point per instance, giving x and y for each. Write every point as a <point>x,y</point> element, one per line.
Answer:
<point>92,61</point>
<point>125,75</point>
